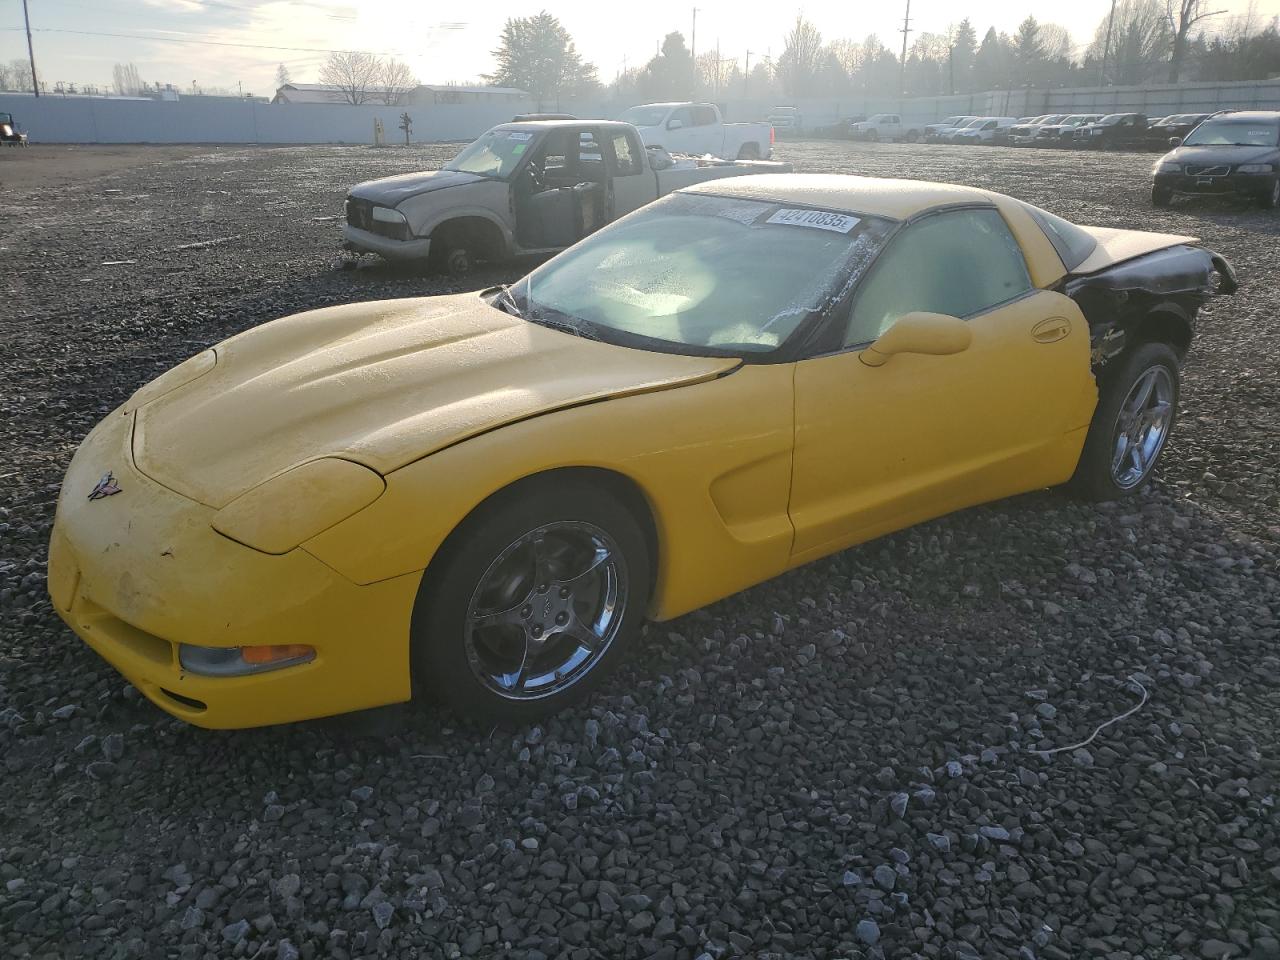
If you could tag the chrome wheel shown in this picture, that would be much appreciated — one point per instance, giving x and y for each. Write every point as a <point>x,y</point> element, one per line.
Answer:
<point>1142,426</point>
<point>546,610</point>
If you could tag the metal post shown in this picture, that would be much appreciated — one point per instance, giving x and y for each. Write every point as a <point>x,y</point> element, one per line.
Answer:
<point>35,80</point>
<point>1106,48</point>
<point>906,29</point>
<point>693,40</point>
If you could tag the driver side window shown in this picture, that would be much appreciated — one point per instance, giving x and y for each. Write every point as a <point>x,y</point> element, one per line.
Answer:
<point>959,263</point>
<point>684,115</point>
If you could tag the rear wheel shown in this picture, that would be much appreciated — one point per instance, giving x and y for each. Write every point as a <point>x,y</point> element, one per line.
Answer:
<point>533,600</point>
<point>1137,407</point>
<point>1161,196</point>
<point>749,151</point>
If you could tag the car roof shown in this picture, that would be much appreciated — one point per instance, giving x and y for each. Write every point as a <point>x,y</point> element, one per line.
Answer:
<point>552,124</point>
<point>873,196</point>
<point>1249,116</point>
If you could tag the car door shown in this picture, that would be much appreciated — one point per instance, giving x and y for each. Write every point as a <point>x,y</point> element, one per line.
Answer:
<point>633,183</point>
<point>682,138</point>
<point>708,135</point>
<point>880,448</point>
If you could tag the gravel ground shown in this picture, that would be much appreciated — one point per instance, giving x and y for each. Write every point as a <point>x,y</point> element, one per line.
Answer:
<point>848,761</point>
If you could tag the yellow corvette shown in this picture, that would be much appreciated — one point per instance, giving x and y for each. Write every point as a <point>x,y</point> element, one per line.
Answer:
<point>485,494</point>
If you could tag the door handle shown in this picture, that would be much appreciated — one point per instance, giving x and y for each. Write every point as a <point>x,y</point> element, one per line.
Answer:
<point>1051,330</point>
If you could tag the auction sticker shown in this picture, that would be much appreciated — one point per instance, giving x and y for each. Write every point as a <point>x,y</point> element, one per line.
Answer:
<point>517,135</point>
<point>818,219</point>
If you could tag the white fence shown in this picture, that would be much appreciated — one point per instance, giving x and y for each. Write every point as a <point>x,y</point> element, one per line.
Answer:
<point>55,119</point>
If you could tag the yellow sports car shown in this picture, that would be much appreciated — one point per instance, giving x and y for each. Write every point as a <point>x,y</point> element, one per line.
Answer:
<point>483,495</point>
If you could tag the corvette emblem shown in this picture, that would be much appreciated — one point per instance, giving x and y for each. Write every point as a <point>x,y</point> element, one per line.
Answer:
<point>106,487</point>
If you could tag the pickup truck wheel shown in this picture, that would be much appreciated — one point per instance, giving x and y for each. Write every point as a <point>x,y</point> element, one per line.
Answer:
<point>912,137</point>
<point>873,135</point>
<point>749,151</point>
<point>451,258</point>
<point>1161,196</point>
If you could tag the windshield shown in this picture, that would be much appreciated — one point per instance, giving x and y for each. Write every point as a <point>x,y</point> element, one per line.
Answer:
<point>705,273</point>
<point>1234,133</point>
<point>645,116</point>
<point>496,154</point>
<point>1111,119</point>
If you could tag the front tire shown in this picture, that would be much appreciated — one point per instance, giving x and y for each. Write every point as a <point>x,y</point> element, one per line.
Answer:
<point>1137,408</point>
<point>531,602</point>
<point>1161,196</point>
<point>1271,199</point>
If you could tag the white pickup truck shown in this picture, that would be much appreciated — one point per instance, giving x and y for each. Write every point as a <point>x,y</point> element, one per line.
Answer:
<point>525,188</point>
<point>886,126</point>
<point>698,128</point>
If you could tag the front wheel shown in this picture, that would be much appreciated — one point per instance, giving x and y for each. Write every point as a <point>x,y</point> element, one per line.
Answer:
<point>531,602</point>
<point>872,135</point>
<point>1161,196</point>
<point>1271,199</point>
<point>1137,407</point>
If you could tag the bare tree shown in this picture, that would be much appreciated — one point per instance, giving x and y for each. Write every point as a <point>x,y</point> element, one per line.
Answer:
<point>125,79</point>
<point>283,77</point>
<point>798,67</point>
<point>353,74</point>
<point>394,81</point>
<point>20,74</point>
<point>1182,15</point>
<point>6,77</point>
<point>1056,41</point>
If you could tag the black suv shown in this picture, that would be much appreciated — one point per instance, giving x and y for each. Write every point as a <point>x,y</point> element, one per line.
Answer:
<point>1234,153</point>
<point>1116,131</point>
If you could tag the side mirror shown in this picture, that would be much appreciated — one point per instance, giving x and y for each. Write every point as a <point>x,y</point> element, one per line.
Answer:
<point>674,124</point>
<point>934,334</point>
<point>1175,141</point>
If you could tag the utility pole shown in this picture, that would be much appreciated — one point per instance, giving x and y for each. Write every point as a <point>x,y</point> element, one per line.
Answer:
<point>693,41</point>
<point>35,80</point>
<point>746,77</point>
<point>906,29</point>
<point>1106,49</point>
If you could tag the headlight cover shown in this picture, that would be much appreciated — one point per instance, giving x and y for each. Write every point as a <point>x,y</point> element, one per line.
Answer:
<point>1167,166</point>
<point>173,378</point>
<point>1255,168</point>
<point>387,215</point>
<point>292,507</point>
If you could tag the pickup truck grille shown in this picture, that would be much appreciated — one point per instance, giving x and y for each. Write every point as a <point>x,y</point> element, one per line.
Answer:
<point>359,213</point>
<point>1219,171</point>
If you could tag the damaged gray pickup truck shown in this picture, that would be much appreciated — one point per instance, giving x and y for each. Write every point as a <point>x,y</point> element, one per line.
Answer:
<point>522,189</point>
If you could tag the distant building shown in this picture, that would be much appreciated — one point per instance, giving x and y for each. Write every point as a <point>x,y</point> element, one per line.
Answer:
<point>422,94</point>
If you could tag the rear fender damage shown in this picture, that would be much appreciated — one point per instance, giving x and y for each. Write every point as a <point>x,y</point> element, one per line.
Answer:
<point>1157,293</point>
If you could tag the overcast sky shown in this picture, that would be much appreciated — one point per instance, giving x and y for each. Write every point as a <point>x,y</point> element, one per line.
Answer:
<point>243,40</point>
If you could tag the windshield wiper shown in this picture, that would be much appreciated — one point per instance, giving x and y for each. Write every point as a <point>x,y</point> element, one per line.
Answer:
<point>570,326</point>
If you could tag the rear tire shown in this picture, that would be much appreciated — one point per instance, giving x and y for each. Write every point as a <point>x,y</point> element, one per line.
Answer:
<point>749,151</point>
<point>531,602</point>
<point>1161,196</point>
<point>1136,413</point>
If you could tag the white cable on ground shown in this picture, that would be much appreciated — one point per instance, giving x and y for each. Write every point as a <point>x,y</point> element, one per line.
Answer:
<point>1084,743</point>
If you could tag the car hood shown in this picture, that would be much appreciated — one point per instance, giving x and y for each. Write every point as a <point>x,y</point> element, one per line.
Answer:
<point>381,384</point>
<point>391,191</point>
<point>1218,154</point>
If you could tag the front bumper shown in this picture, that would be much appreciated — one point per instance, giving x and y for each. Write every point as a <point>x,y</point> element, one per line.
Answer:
<point>1254,185</point>
<point>137,573</point>
<point>366,241</point>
